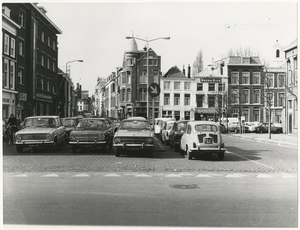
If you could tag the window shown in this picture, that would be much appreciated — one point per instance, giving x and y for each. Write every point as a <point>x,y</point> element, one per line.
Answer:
<point>43,36</point>
<point>143,77</point>
<point>245,113</point>
<point>123,95</point>
<point>54,65</point>
<point>245,78</point>
<point>21,47</point>
<point>167,85</point>
<point>21,18</point>
<point>48,85</point>
<point>42,83</point>
<point>6,44</point>
<point>155,76</point>
<point>234,78</point>
<point>38,31</point>
<point>166,99</point>
<point>187,85</point>
<point>54,44</point>
<point>235,97</point>
<point>37,56</point>
<point>246,96</point>
<point>128,95</point>
<point>12,76</point>
<point>43,59</point>
<point>12,47</point>
<point>256,78</point>
<point>48,62</point>
<point>187,99</point>
<point>269,81</point>
<point>211,101</point>
<point>199,86</point>
<point>280,99</point>
<point>199,100</point>
<point>256,115</point>
<point>143,94</point>
<point>211,86</point>
<point>37,82</point>
<point>176,99</point>
<point>5,80</point>
<point>49,41</point>
<point>129,62</point>
<point>152,61</point>
<point>21,76</point>
<point>256,96</point>
<point>280,81</point>
<point>270,99</point>
<point>221,87</point>
<point>128,78</point>
<point>177,85</point>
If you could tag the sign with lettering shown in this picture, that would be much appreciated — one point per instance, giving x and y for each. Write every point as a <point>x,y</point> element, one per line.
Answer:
<point>22,96</point>
<point>211,79</point>
<point>43,96</point>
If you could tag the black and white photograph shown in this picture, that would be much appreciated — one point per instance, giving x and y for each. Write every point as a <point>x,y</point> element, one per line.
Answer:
<point>149,114</point>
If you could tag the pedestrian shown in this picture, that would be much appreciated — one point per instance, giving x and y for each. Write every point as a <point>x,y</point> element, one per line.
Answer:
<point>12,124</point>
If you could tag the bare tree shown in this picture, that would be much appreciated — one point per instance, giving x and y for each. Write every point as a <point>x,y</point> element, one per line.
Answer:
<point>246,52</point>
<point>198,63</point>
<point>268,95</point>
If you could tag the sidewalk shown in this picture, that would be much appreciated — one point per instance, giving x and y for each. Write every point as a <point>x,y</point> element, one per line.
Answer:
<point>281,138</point>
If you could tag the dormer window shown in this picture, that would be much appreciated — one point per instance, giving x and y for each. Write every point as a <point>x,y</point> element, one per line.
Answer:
<point>277,53</point>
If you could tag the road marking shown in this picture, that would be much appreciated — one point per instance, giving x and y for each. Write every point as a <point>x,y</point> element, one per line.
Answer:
<point>142,175</point>
<point>82,175</point>
<point>246,158</point>
<point>235,175</point>
<point>203,175</point>
<point>263,176</point>
<point>286,175</point>
<point>112,175</point>
<point>173,175</point>
<point>51,175</point>
<point>20,175</point>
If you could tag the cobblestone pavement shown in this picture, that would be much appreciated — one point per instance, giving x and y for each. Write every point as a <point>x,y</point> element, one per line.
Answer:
<point>242,156</point>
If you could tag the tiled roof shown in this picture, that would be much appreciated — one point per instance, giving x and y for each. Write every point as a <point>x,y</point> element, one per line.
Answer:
<point>174,72</point>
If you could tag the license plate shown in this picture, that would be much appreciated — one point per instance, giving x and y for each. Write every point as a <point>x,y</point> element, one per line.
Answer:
<point>87,146</point>
<point>134,148</point>
<point>208,141</point>
<point>33,145</point>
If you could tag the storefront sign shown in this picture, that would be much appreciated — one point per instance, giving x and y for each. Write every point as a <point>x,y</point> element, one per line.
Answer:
<point>22,96</point>
<point>43,96</point>
<point>211,79</point>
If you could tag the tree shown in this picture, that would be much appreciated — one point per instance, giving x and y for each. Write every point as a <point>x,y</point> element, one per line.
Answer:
<point>268,95</point>
<point>246,52</point>
<point>198,63</point>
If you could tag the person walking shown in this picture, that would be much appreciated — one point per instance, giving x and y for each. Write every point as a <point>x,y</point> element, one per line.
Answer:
<point>12,125</point>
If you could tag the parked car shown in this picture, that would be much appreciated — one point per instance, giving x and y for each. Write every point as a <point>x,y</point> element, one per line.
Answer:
<point>245,127</point>
<point>232,126</point>
<point>167,126</point>
<point>176,134</point>
<point>252,126</point>
<point>264,128</point>
<point>159,123</point>
<point>91,133</point>
<point>40,131</point>
<point>202,137</point>
<point>70,124</point>
<point>134,134</point>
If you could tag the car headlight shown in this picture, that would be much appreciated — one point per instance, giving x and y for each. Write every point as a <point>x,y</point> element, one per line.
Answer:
<point>117,140</point>
<point>149,140</point>
<point>49,137</point>
<point>102,137</point>
<point>72,138</point>
<point>18,137</point>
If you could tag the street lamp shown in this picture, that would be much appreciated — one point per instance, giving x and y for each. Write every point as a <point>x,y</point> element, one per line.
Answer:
<point>147,40</point>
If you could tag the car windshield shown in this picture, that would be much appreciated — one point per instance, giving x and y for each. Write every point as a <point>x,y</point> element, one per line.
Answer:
<point>135,125</point>
<point>200,128</point>
<point>40,122</point>
<point>181,126</point>
<point>170,126</point>
<point>91,125</point>
<point>69,122</point>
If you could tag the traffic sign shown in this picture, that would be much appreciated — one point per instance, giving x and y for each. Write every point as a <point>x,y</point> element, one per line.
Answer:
<point>154,90</point>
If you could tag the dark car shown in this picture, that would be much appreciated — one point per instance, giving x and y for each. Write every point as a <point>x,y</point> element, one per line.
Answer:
<point>91,133</point>
<point>115,123</point>
<point>264,128</point>
<point>70,124</point>
<point>176,134</point>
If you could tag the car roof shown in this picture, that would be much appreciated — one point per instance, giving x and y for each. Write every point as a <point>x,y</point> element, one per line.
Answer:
<point>72,118</point>
<point>182,121</point>
<point>164,118</point>
<point>137,118</point>
<point>203,123</point>
<point>43,116</point>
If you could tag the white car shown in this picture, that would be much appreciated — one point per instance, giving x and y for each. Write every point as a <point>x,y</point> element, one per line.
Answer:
<point>166,129</point>
<point>159,123</point>
<point>202,137</point>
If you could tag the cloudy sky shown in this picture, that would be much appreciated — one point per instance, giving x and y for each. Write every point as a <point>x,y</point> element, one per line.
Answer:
<point>96,31</point>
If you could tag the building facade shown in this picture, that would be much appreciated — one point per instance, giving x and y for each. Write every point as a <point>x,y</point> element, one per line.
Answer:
<point>37,60</point>
<point>9,65</point>
<point>291,87</point>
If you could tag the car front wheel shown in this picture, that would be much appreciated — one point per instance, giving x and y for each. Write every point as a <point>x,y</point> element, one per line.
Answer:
<point>221,156</point>
<point>189,154</point>
<point>117,152</point>
<point>19,149</point>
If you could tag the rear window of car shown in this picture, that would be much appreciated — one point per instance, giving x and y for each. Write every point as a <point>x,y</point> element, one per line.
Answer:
<point>209,128</point>
<point>135,125</point>
<point>69,122</point>
<point>91,125</point>
<point>181,126</point>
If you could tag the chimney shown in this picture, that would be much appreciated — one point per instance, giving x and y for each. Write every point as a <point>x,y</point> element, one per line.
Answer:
<point>189,71</point>
<point>183,70</point>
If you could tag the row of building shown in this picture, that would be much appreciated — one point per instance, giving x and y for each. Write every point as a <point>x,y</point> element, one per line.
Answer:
<point>32,83</point>
<point>234,86</point>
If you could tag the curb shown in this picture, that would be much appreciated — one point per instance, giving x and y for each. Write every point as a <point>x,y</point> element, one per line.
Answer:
<point>266,140</point>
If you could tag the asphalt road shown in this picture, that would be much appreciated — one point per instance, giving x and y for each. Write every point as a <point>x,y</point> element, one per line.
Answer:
<point>255,186</point>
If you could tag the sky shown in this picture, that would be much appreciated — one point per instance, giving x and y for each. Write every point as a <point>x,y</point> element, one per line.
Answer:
<point>95,32</point>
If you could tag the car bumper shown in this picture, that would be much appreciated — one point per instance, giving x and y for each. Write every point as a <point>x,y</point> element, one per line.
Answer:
<point>143,146</point>
<point>211,150</point>
<point>34,143</point>
<point>85,144</point>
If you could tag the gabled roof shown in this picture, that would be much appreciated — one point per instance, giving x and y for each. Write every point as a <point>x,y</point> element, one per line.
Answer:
<point>174,72</point>
<point>291,46</point>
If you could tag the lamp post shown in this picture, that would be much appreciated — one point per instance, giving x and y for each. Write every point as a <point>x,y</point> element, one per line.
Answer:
<point>69,75</point>
<point>147,41</point>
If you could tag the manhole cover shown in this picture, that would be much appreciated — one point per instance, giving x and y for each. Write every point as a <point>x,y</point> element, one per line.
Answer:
<point>184,186</point>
